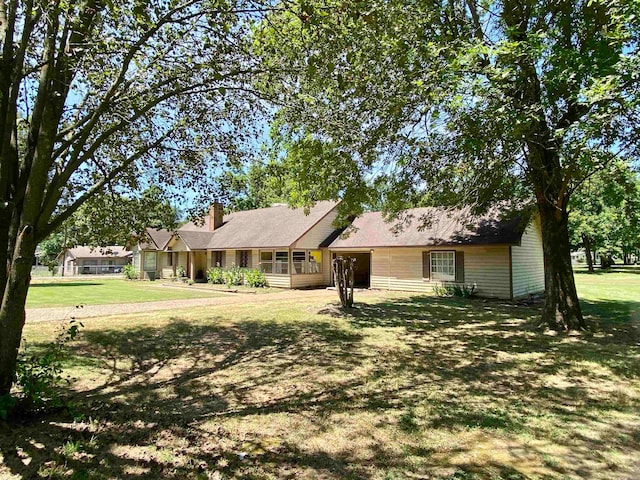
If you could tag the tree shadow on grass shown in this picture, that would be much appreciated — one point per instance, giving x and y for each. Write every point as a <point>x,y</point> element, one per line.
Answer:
<point>184,400</point>
<point>164,381</point>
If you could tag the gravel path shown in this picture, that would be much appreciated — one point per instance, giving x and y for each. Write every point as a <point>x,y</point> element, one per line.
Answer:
<point>35,315</point>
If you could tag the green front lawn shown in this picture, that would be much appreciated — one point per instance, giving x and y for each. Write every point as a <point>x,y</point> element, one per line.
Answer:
<point>63,293</point>
<point>402,386</point>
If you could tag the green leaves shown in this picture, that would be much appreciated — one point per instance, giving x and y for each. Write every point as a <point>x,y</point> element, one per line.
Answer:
<point>420,94</point>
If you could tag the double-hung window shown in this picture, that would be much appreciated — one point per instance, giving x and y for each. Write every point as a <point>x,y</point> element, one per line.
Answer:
<point>216,259</point>
<point>244,258</point>
<point>282,263</point>
<point>443,266</point>
<point>149,261</point>
<point>266,261</point>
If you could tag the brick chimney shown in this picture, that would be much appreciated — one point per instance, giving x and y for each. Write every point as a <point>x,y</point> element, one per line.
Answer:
<point>216,216</point>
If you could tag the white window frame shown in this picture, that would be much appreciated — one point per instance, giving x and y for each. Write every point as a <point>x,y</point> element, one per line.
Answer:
<point>267,262</point>
<point>435,259</point>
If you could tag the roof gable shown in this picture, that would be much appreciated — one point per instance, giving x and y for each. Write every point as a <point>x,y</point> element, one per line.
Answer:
<point>272,227</point>
<point>278,226</point>
<point>158,239</point>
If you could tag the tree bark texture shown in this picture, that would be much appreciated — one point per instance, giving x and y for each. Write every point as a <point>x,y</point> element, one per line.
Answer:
<point>343,271</point>
<point>561,309</point>
<point>12,313</point>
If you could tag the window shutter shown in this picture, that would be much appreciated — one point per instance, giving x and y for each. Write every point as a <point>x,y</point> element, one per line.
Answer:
<point>426,265</point>
<point>460,267</point>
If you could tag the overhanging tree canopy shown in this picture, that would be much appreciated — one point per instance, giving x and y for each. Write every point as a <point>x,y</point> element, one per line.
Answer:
<point>97,93</point>
<point>460,102</point>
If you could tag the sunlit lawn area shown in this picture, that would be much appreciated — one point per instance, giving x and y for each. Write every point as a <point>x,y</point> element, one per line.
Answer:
<point>401,387</point>
<point>61,293</point>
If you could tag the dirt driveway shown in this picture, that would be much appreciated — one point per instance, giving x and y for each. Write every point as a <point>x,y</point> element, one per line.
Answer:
<point>35,315</point>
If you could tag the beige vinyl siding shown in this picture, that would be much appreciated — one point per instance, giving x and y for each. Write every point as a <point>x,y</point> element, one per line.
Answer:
<point>178,245</point>
<point>527,262</point>
<point>401,269</point>
<point>307,280</point>
<point>136,260</point>
<point>167,272</point>
<point>229,258</point>
<point>163,259</point>
<point>182,260</point>
<point>278,281</point>
<point>326,266</point>
<point>318,233</point>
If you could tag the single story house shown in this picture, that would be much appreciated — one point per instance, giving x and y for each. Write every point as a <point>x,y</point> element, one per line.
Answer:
<point>502,258</point>
<point>84,260</point>
<point>283,242</point>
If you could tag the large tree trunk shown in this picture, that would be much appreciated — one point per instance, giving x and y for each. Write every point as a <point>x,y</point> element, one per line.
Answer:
<point>561,309</point>
<point>12,314</point>
<point>587,250</point>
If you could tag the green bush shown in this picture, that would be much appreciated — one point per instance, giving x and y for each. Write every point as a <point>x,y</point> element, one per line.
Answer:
<point>129,272</point>
<point>39,375</point>
<point>233,276</point>
<point>442,290</point>
<point>216,276</point>
<point>464,291</point>
<point>180,271</point>
<point>255,278</point>
<point>454,290</point>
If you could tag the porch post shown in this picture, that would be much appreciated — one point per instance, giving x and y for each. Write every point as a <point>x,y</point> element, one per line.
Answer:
<point>192,266</point>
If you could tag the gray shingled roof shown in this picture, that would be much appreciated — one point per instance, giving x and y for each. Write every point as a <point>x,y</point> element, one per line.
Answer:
<point>159,239</point>
<point>110,251</point>
<point>430,227</point>
<point>273,227</point>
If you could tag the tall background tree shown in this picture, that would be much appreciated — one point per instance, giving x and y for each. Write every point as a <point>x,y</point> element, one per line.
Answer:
<point>110,220</point>
<point>605,215</point>
<point>259,184</point>
<point>459,102</point>
<point>110,96</point>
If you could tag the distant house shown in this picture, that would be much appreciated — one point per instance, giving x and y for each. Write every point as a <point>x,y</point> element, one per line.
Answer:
<point>501,258</point>
<point>85,260</point>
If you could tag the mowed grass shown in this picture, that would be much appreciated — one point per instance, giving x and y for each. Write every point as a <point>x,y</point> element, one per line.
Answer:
<point>63,293</point>
<point>402,386</point>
